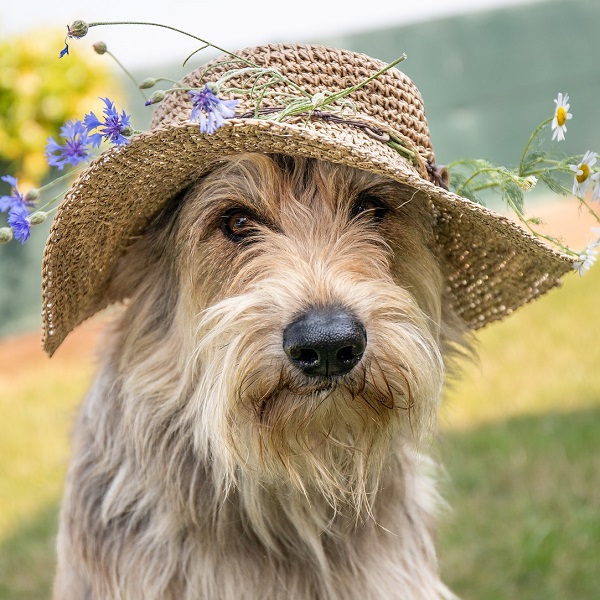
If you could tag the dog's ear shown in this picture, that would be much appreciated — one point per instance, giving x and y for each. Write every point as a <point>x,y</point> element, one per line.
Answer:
<point>445,177</point>
<point>148,257</point>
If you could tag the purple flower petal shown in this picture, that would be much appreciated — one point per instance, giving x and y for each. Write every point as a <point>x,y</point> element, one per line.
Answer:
<point>18,219</point>
<point>111,128</point>
<point>209,110</point>
<point>12,181</point>
<point>76,147</point>
<point>16,199</point>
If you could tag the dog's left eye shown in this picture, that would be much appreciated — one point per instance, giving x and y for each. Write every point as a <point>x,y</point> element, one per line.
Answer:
<point>238,225</point>
<point>370,206</point>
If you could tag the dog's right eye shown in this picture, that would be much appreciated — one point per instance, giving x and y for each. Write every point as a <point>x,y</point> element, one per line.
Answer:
<point>370,206</point>
<point>239,225</point>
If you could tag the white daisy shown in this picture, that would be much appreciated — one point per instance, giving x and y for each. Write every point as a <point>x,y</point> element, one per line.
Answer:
<point>561,116</point>
<point>582,172</point>
<point>586,259</point>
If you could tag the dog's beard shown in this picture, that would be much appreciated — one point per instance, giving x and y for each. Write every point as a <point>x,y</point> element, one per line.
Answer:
<point>264,424</point>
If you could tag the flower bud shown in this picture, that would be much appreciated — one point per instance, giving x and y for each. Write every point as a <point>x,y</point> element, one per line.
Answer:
<point>318,98</point>
<point>157,96</point>
<point>37,218</point>
<point>32,195</point>
<point>213,87</point>
<point>147,83</point>
<point>528,183</point>
<point>127,131</point>
<point>6,234</point>
<point>78,29</point>
<point>99,47</point>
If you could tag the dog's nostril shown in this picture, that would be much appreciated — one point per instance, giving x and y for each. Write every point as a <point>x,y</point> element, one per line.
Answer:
<point>306,356</point>
<point>325,342</point>
<point>349,353</point>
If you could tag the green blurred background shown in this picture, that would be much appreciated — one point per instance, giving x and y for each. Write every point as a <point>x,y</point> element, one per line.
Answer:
<point>520,432</point>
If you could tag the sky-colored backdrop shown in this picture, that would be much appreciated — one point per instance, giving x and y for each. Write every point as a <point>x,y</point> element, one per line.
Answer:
<point>231,24</point>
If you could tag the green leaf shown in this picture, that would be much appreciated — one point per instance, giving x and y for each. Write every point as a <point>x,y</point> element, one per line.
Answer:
<point>535,221</point>
<point>513,194</point>
<point>457,181</point>
<point>532,159</point>
<point>553,183</point>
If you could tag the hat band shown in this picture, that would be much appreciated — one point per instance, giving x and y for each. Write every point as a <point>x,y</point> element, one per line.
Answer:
<point>402,144</point>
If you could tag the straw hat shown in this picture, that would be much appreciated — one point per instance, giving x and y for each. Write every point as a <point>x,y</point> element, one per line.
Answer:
<point>492,265</point>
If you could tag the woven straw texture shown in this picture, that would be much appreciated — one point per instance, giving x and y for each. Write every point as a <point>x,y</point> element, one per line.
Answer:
<point>492,265</point>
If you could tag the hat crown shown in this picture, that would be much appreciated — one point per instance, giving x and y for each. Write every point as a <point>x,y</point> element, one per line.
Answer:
<point>391,100</point>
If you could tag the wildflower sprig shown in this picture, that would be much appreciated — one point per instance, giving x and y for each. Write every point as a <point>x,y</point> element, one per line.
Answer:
<point>211,107</point>
<point>561,174</point>
<point>74,149</point>
<point>24,211</point>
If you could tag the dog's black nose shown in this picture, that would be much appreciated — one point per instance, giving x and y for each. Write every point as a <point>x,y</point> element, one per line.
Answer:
<point>325,342</point>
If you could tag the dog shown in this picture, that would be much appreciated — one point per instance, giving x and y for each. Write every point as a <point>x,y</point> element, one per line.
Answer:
<point>259,425</point>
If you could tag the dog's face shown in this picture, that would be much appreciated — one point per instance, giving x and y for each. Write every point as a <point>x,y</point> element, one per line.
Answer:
<point>302,317</point>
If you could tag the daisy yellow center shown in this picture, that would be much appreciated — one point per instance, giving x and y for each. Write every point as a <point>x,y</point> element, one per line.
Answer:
<point>583,173</point>
<point>561,116</point>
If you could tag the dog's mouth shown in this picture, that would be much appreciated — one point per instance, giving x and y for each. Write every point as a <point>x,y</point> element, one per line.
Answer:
<point>313,388</point>
<point>343,392</point>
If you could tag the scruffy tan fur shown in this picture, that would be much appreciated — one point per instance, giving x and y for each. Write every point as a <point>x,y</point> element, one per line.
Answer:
<point>206,465</point>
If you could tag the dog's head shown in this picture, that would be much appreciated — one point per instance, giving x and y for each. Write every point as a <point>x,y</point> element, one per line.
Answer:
<point>291,313</point>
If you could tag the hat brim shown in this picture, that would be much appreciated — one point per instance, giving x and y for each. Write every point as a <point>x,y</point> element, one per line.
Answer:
<point>491,264</point>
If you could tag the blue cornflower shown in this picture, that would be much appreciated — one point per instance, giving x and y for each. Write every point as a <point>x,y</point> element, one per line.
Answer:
<point>16,199</point>
<point>111,129</point>
<point>18,219</point>
<point>210,111</point>
<point>75,150</point>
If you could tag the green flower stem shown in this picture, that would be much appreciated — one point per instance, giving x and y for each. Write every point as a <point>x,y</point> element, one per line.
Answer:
<point>56,180</point>
<point>487,186</point>
<point>102,23</point>
<point>53,184</point>
<point>558,165</point>
<point>473,175</point>
<point>204,47</point>
<point>542,171</point>
<point>409,154</point>
<point>174,81</point>
<point>205,42</point>
<point>51,205</point>
<point>259,73</point>
<point>521,216</point>
<point>590,209</point>
<point>455,163</point>
<point>530,141</point>
<point>129,75</point>
<point>343,93</point>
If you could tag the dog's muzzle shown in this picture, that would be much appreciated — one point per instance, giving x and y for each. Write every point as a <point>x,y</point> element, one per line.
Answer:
<point>325,342</point>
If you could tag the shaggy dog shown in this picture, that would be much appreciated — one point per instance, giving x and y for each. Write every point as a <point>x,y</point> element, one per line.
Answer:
<point>257,425</point>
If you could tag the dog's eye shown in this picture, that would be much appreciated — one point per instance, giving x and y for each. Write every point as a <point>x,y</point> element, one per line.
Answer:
<point>239,225</point>
<point>370,206</point>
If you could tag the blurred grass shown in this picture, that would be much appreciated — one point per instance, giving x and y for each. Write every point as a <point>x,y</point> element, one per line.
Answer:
<point>38,400</point>
<point>520,440</point>
<point>526,509</point>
